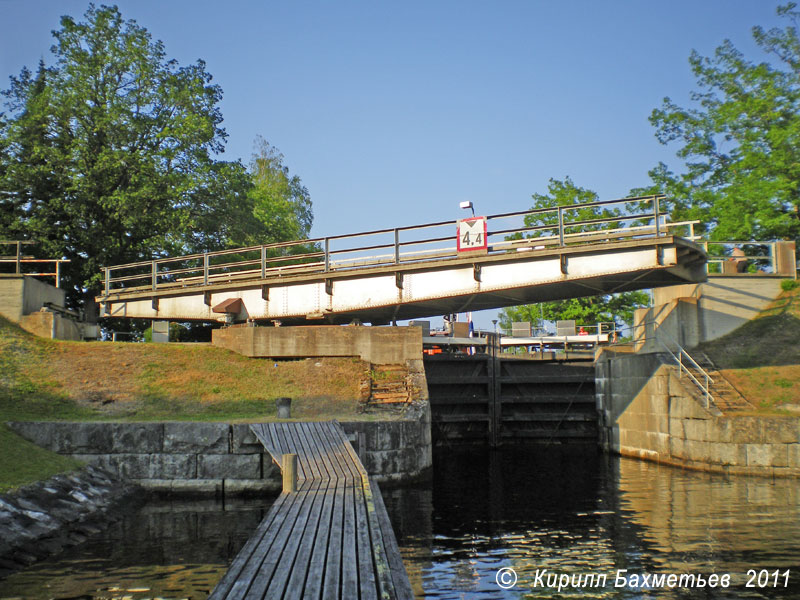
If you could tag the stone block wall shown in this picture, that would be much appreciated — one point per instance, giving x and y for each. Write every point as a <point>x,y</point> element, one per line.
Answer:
<point>220,458</point>
<point>649,412</point>
<point>393,451</point>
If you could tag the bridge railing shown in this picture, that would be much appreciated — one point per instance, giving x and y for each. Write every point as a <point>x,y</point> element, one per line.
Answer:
<point>732,257</point>
<point>20,263</point>
<point>590,223</point>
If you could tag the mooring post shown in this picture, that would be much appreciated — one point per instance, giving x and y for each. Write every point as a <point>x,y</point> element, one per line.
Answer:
<point>289,468</point>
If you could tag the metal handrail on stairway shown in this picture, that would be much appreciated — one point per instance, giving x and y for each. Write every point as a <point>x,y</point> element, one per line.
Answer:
<point>683,358</point>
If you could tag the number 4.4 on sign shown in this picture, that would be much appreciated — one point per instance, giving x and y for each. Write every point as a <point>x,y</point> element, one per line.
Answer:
<point>472,234</point>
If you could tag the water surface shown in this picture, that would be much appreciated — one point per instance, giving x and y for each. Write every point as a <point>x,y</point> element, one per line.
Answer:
<point>567,510</point>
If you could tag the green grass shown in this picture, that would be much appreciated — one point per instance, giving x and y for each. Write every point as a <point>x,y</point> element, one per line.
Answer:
<point>48,380</point>
<point>23,462</point>
<point>762,357</point>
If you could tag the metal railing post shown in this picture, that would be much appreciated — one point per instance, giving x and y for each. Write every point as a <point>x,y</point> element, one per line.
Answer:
<point>396,246</point>
<point>561,225</point>
<point>108,279</point>
<point>153,275</point>
<point>263,262</point>
<point>656,215</point>
<point>58,273</point>
<point>327,255</point>
<point>773,263</point>
<point>19,257</point>
<point>205,267</point>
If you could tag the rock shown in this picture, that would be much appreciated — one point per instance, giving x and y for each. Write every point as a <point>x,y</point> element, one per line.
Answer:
<point>43,518</point>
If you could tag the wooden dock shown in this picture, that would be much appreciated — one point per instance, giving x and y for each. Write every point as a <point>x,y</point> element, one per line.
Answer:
<point>330,539</point>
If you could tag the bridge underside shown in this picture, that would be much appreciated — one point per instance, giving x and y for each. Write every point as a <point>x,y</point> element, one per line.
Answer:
<point>383,294</point>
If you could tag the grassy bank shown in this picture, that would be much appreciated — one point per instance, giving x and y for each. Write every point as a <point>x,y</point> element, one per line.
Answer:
<point>762,357</point>
<point>24,463</point>
<point>52,380</point>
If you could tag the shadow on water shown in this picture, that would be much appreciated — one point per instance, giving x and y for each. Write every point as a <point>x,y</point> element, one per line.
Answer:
<point>163,550</point>
<point>572,511</point>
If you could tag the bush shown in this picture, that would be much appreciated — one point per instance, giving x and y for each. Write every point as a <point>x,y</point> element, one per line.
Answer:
<point>789,284</point>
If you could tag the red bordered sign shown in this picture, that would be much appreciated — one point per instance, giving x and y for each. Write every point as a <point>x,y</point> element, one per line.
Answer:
<point>472,234</point>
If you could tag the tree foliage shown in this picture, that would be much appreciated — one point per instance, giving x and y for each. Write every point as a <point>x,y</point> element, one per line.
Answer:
<point>108,156</point>
<point>585,310</point>
<point>740,139</point>
<point>277,197</point>
<point>566,193</point>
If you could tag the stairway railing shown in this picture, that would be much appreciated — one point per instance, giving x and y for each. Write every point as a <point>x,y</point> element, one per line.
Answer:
<point>684,361</point>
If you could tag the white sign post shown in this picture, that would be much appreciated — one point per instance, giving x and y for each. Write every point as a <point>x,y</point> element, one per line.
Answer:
<point>472,234</point>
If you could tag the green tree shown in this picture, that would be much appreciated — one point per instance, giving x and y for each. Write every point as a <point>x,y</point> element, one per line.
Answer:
<point>278,199</point>
<point>107,156</point>
<point>589,310</point>
<point>585,310</point>
<point>739,140</point>
<point>565,193</point>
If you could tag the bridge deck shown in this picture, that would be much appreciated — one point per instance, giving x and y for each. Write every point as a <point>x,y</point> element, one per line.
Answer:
<point>330,539</point>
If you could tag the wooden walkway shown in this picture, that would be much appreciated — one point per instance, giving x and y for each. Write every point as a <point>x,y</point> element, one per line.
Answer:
<point>330,539</point>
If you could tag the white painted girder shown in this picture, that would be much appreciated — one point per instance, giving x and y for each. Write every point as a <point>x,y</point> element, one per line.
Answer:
<point>429,292</point>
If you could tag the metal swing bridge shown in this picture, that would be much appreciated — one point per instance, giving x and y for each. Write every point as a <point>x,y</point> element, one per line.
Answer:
<point>417,271</point>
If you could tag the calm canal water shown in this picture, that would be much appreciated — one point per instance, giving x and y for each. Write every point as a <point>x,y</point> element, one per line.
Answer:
<point>569,511</point>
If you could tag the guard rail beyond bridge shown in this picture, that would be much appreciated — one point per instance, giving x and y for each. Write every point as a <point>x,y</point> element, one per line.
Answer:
<point>419,271</point>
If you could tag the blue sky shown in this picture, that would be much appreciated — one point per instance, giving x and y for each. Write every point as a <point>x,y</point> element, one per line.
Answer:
<point>394,112</point>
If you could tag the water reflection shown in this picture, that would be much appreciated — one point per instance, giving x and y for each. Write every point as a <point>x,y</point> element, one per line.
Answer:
<point>573,512</point>
<point>165,550</point>
<point>567,510</point>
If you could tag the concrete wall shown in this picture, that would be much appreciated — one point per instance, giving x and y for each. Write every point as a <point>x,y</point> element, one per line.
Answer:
<point>21,295</point>
<point>220,458</point>
<point>648,412</point>
<point>377,345</point>
<point>695,313</point>
<point>679,319</point>
<point>51,325</point>
<point>11,297</point>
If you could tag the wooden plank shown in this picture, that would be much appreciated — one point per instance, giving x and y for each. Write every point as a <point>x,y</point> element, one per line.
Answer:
<point>316,567</point>
<point>285,545</point>
<point>283,522</point>
<point>349,547</point>
<point>315,532</point>
<point>340,444</point>
<point>331,539</point>
<point>366,568</point>
<point>303,449</point>
<point>383,574</point>
<point>232,575</point>
<point>276,443</point>
<point>314,453</point>
<point>401,584</point>
<point>331,579</point>
<point>288,447</point>
<point>326,458</point>
<point>332,463</point>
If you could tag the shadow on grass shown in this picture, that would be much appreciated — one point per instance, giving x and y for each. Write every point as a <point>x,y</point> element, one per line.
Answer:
<point>772,339</point>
